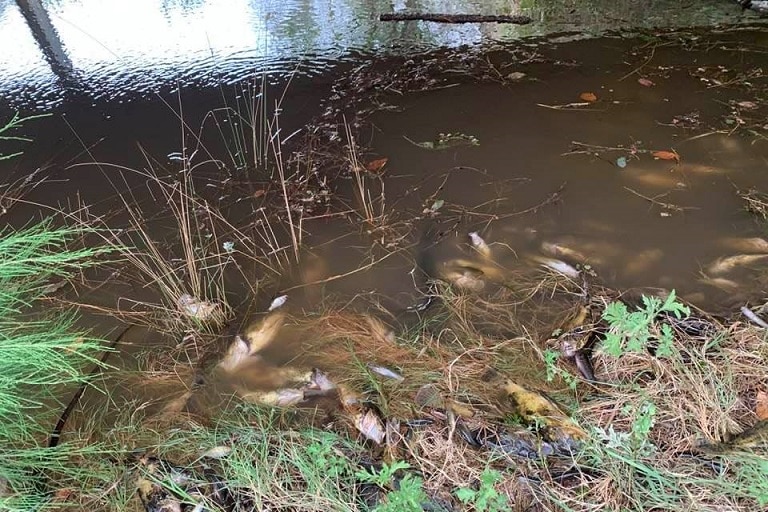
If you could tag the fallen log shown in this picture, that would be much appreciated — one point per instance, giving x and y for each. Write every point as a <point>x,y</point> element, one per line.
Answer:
<point>456,18</point>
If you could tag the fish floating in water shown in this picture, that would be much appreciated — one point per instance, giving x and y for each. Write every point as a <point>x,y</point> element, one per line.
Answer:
<point>246,346</point>
<point>479,244</point>
<point>747,245</point>
<point>728,264</point>
<point>278,302</point>
<point>558,266</point>
<point>561,251</point>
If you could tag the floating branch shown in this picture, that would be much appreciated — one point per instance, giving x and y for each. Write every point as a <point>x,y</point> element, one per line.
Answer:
<point>455,18</point>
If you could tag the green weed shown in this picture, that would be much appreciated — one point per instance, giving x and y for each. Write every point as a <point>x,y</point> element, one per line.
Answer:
<point>485,498</point>
<point>408,495</point>
<point>631,331</point>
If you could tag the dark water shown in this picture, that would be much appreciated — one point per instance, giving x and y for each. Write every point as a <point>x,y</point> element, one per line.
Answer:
<point>132,86</point>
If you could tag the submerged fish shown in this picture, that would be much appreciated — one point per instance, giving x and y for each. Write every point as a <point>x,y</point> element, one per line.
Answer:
<point>558,266</point>
<point>720,282</point>
<point>479,244</point>
<point>643,260</point>
<point>252,341</point>
<point>725,265</point>
<point>561,251</point>
<point>756,244</point>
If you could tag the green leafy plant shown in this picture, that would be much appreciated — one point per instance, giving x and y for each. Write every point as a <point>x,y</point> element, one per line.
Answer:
<point>631,331</point>
<point>485,498</point>
<point>551,357</point>
<point>409,495</point>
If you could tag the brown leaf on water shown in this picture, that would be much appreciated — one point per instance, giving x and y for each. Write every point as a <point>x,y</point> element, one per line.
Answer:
<point>666,155</point>
<point>761,405</point>
<point>645,82</point>
<point>375,166</point>
<point>588,96</point>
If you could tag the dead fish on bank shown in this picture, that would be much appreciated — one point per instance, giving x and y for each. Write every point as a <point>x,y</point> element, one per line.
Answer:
<point>479,244</point>
<point>464,279</point>
<point>286,397</point>
<point>536,408</point>
<point>252,341</point>
<point>370,424</point>
<point>725,265</point>
<point>748,245</point>
<point>558,266</point>
<point>385,372</point>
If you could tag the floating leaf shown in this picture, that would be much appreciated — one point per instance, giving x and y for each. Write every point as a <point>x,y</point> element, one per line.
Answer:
<point>645,82</point>
<point>377,165</point>
<point>666,155</point>
<point>621,162</point>
<point>761,405</point>
<point>588,96</point>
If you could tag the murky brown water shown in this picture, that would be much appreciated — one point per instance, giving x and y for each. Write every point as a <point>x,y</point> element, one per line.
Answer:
<point>552,168</point>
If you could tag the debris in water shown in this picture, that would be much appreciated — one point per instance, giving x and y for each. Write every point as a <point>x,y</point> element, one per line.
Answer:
<point>588,96</point>
<point>725,265</point>
<point>558,266</point>
<point>286,397</point>
<point>645,82</point>
<point>479,244</point>
<point>666,155</point>
<point>376,166</point>
<point>370,425</point>
<point>217,452</point>
<point>621,162</point>
<point>198,309</point>
<point>752,316</point>
<point>465,279</point>
<point>385,372</point>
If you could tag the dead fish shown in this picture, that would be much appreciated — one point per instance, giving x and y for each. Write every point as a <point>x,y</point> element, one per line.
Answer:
<point>465,280</point>
<point>370,425</point>
<point>237,353</point>
<point>177,405</point>
<point>479,244</point>
<point>265,332</point>
<point>654,179</point>
<point>217,452</point>
<point>720,282</point>
<point>535,407</point>
<point>756,244</point>
<point>277,302</point>
<point>278,398</point>
<point>561,251</point>
<point>319,380</point>
<point>385,372</point>
<point>751,315</point>
<point>198,309</point>
<point>558,266</point>
<point>380,331</point>
<point>725,265</point>
<point>643,261</point>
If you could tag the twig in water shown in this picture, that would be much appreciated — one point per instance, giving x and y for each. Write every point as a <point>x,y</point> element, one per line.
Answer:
<point>666,206</point>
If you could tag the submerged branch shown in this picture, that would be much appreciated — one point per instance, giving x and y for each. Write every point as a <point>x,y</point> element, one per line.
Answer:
<point>456,18</point>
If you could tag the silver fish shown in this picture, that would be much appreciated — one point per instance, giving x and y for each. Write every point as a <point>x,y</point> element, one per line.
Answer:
<point>385,372</point>
<point>479,244</point>
<point>558,266</point>
<point>753,245</point>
